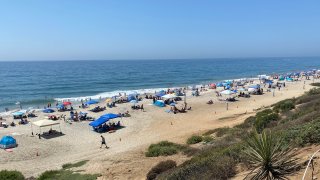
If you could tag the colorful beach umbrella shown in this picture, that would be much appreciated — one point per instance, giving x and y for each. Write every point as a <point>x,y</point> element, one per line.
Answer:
<point>67,103</point>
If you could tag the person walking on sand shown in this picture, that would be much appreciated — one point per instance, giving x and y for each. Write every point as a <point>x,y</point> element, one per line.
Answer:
<point>103,142</point>
<point>141,107</point>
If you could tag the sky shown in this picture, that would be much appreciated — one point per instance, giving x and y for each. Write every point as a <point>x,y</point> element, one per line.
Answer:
<point>163,29</point>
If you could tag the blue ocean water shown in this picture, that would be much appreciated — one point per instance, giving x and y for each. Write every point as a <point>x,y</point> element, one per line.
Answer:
<point>36,83</point>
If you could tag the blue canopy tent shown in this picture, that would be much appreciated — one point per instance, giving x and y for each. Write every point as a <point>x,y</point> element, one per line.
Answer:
<point>110,116</point>
<point>159,103</point>
<point>48,110</point>
<point>103,119</point>
<point>8,142</point>
<point>99,121</point>
<point>92,102</point>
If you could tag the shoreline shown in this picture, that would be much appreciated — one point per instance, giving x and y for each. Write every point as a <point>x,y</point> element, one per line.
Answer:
<point>141,129</point>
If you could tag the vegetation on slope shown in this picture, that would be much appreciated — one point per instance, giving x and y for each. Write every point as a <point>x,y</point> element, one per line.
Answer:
<point>295,122</point>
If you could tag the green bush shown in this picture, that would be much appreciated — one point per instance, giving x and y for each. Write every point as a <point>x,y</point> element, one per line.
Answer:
<point>263,118</point>
<point>211,167</point>
<point>194,139</point>
<point>164,148</point>
<point>207,139</point>
<point>285,105</point>
<point>247,123</point>
<point>315,84</point>
<point>66,174</point>
<point>11,175</point>
<point>160,168</point>
<point>313,91</point>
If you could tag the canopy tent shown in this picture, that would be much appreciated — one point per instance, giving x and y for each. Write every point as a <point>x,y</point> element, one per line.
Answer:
<point>103,119</point>
<point>8,142</point>
<point>48,110</point>
<point>99,122</point>
<point>110,116</point>
<point>159,103</point>
<point>92,102</point>
<point>45,123</point>
<point>67,103</point>
<point>169,96</point>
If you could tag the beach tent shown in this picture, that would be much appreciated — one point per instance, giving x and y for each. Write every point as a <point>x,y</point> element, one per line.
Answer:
<point>48,110</point>
<point>131,97</point>
<point>19,113</point>
<point>60,106</point>
<point>45,123</point>
<point>159,103</point>
<point>169,96</point>
<point>8,142</point>
<point>160,93</point>
<point>92,102</point>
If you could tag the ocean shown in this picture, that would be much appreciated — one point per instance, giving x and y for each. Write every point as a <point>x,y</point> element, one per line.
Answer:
<point>35,83</point>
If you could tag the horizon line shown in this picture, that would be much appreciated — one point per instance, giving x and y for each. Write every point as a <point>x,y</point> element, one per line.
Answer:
<point>154,59</point>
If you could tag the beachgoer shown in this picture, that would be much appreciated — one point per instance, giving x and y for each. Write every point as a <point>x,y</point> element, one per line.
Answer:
<point>142,109</point>
<point>103,142</point>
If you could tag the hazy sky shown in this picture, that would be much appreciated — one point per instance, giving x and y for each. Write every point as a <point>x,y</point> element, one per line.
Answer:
<point>143,29</point>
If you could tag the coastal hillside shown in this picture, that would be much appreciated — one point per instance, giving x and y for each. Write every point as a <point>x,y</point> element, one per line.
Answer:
<point>223,153</point>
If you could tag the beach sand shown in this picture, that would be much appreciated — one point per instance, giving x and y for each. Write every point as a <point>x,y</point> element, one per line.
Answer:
<point>125,158</point>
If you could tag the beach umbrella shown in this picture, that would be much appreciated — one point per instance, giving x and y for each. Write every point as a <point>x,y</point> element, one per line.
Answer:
<point>92,102</point>
<point>7,142</point>
<point>227,92</point>
<point>48,111</point>
<point>67,103</point>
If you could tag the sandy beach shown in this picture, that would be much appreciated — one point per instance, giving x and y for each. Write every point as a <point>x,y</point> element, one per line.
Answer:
<point>125,158</point>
